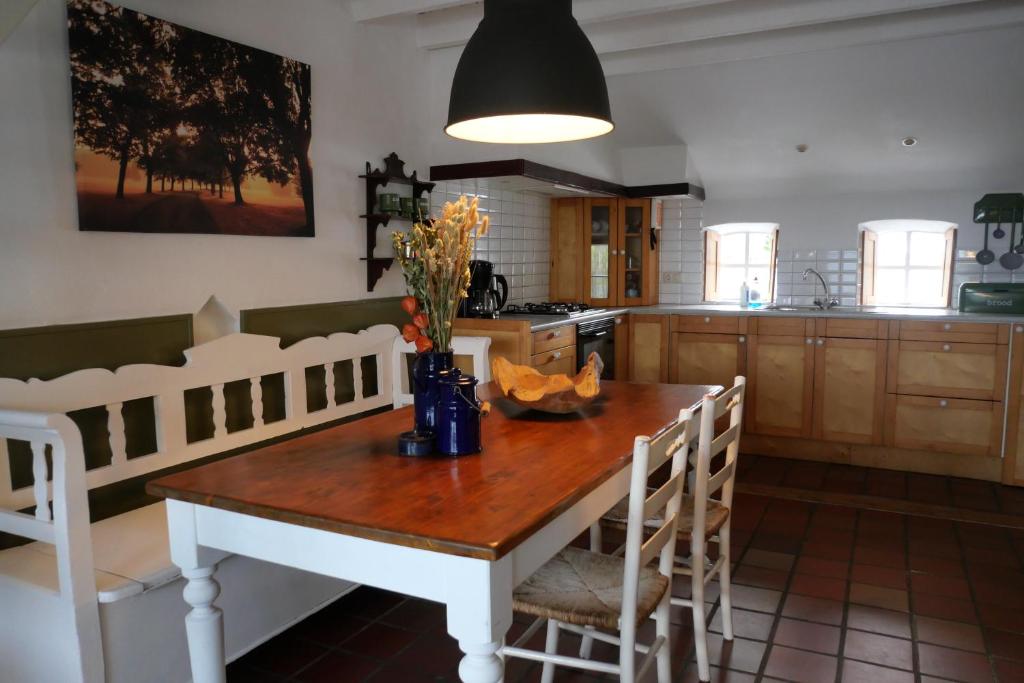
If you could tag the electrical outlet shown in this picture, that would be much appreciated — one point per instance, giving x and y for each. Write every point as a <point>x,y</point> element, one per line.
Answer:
<point>672,278</point>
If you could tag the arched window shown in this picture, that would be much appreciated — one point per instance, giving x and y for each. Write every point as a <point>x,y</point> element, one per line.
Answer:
<point>735,253</point>
<point>907,262</point>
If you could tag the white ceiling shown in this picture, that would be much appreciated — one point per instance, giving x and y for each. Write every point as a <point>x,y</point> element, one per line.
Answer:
<point>741,82</point>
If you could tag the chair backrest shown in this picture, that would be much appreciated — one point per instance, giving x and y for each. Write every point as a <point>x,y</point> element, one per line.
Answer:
<point>646,540</point>
<point>242,362</point>
<point>706,484</point>
<point>476,348</point>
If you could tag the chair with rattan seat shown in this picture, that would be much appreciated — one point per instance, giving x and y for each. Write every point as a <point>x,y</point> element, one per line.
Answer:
<point>580,590</point>
<point>702,518</point>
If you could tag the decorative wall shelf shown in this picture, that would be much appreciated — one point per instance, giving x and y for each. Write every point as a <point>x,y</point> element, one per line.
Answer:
<point>394,172</point>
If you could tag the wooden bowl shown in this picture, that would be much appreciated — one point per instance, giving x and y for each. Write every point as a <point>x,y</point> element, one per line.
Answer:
<point>548,393</point>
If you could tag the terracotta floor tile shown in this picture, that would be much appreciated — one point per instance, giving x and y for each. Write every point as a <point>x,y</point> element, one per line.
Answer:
<point>954,634</point>
<point>882,558</point>
<point>813,609</point>
<point>740,654</point>
<point>338,667</point>
<point>380,641</point>
<point>834,517</point>
<point>1005,644</point>
<point>876,596</point>
<point>769,559</point>
<point>1008,671</point>
<point>877,649</point>
<point>875,620</point>
<point>328,627</point>
<point>948,550</point>
<point>955,664</point>
<point>717,675</point>
<point>745,624</point>
<point>239,673</point>
<point>757,599</point>
<point>760,577</point>
<point>1002,618</point>
<point>416,615</point>
<point>879,576</point>
<point>828,551</point>
<point>818,566</point>
<point>936,565</point>
<point>861,672</point>
<point>775,542</point>
<point>819,587</point>
<point>807,635</point>
<point>367,602</point>
<point>283,656</point>
<point>435,654</point>
<point>788,664</point>
<point>945,608</point>
<point>819,534</point>
<point>1006,593</point>
<point>940,585</point>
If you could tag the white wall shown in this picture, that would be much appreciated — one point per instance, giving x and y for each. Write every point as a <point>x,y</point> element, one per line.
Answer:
<point>364,79</point>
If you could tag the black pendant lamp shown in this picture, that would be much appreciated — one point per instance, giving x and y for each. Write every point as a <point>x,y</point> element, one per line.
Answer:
<point>528,74</point>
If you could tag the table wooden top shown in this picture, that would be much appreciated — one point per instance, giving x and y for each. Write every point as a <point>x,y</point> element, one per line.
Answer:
<point>349,479</point>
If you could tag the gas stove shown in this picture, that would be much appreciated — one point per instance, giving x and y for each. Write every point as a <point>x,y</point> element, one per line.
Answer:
<point>550,308</point>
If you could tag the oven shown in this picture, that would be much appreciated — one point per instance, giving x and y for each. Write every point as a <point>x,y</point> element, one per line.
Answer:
<point>597,335</point>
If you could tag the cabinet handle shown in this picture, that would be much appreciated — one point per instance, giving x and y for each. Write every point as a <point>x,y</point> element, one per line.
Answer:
<point>742,339</point>
<point>557,354</point>
<point>821,342</point>
<point>618,321</point>
<point>943,403</point>
<point>707,319</point>
<point>947,327</point>
<point>1019,329</point>
<point>947,347</point>
<point>556,334</point>
<point>808,341</point>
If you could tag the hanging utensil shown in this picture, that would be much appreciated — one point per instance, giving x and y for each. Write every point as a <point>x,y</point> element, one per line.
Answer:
<point>1011,260</point>
<point>999,233</point>
<point>986,255</point>
<point>1020,244</point>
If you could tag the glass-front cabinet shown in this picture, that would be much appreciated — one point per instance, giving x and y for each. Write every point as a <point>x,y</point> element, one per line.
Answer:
<point>620,252</point>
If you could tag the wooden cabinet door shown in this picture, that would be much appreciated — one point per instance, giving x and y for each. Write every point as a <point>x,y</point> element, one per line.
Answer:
<point>634,252</point>
<point>566,281</point>
<point>557,361</point>
<point>953,370</point>
<point>849,390</point>
<point>781,372</point>
<point>707,358</point>
<point>648,348</point>
<point>600,251</point>
<point>1013,457</point>
<point>945,425</point>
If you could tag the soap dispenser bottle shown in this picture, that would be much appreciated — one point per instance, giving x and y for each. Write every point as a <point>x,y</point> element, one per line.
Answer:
<point>744,295</point>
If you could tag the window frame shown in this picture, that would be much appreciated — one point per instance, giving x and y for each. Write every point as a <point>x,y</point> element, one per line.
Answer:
<point>713,264</point>
<point>869,267</point>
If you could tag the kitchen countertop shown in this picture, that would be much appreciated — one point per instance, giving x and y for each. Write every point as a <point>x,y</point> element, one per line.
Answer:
<point>544,322</point>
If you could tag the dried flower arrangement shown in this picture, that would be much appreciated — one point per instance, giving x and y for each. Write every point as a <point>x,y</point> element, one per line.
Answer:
<point>434,257</point>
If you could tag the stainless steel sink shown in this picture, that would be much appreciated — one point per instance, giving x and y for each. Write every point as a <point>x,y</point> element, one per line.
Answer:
<point>792,309</point>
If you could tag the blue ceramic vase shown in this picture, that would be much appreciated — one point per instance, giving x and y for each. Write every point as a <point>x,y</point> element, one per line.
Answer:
<point>426,371</point>
<point>459,413</point>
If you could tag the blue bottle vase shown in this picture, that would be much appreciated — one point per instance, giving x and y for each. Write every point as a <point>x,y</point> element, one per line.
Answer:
<point>426,371</point>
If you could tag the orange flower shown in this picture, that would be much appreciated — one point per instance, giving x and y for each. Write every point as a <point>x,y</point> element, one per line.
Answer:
<point>410,332</point>
<point>420,320</point>
<point>423,344</point>
<point>409,305</point>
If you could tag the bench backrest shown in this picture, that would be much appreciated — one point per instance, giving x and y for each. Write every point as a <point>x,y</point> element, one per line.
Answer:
<point>237,358</point>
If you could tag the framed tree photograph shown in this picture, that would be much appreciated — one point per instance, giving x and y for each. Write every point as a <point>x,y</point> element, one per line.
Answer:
<point>179,131</point>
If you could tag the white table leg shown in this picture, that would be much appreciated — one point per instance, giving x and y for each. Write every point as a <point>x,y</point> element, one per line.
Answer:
<point>204,624</point>
<point>479,614</point>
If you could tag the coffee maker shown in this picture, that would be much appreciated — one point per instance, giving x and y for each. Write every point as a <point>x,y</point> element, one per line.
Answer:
<point>484,299</point>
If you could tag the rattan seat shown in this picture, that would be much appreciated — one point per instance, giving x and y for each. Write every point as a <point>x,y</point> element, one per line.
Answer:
<point>585,588</point>
<point>714,518</point>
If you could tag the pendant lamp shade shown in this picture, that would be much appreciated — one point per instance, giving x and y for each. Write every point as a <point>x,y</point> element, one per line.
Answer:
<point>528,74</point>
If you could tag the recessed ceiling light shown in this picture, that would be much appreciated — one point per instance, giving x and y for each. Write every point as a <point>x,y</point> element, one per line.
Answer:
<point>801,148</point>
<point>908,141</point>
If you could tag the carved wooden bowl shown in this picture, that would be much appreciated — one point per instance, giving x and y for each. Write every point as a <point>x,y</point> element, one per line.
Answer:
<point>548,393</point>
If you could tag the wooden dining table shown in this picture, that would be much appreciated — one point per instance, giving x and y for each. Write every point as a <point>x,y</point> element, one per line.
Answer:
<point>459,531</point>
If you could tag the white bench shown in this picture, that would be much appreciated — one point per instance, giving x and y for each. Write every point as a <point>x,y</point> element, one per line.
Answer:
<point>102,602</point>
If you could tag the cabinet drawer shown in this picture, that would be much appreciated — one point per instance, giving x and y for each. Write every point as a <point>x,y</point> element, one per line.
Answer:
<point>947,369</point>
<point>555,362</point>
<point>708,324</point>
<point>853,328</point>
<point>970,333</point>
<point>555,338</point>
<point>945,425</point>
<point>784,327</point>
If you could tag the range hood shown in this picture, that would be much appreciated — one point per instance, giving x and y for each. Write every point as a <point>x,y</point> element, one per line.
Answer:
<point>528,176</point>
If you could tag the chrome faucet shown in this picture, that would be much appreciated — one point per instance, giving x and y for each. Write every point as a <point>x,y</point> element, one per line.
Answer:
<point>829,301</point>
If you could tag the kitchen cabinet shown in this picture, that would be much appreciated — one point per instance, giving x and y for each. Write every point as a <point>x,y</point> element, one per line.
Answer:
<point>1013,459</point>
<point>945,425</point>
<point>566,277</point>
<point>618,256</point>
<point>707,349</point>
<point>780,398</point>
<point>849,389</point>
<point>648,348</point>
<point>947,369</point>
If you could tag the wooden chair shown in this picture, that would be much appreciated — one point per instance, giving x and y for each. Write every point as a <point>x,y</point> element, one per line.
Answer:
<point>476,348</point>
<point>702,517</point>
<point>580,590</point>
